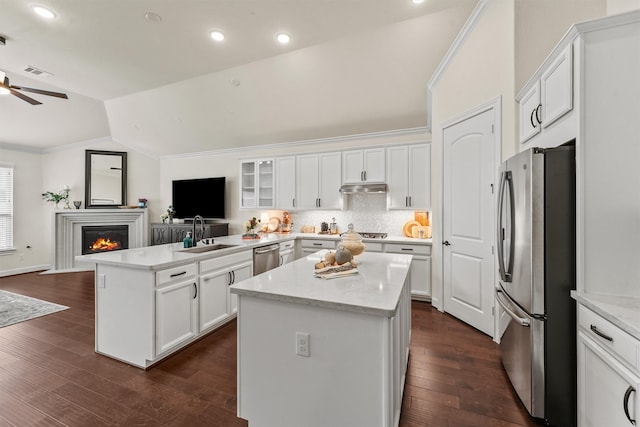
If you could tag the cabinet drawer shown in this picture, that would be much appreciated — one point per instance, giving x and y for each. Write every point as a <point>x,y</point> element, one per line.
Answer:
<point>225,261</point>
<point>372,247</point>
<point>318,244</point>
<point>609,336</point>
<point>403,248</point>
<point>287,245</point>
<point>175,274</point>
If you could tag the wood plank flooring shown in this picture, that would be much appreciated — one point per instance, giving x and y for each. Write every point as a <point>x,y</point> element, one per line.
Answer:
<point>50,375</point>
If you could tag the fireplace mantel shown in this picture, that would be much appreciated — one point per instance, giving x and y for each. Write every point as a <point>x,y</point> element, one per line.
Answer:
<point>67,226</point>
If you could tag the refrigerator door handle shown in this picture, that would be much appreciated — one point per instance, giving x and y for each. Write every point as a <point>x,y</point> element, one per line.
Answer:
<point>506,273</point>
<point>521,320</point>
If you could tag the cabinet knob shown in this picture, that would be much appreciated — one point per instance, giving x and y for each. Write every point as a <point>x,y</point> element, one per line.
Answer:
<point>446,243</point>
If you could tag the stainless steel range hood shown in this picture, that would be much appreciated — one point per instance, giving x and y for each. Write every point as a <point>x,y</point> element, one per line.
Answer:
<point>363,188</point>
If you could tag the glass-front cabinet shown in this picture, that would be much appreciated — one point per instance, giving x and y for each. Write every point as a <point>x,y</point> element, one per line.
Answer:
<point>257,182</point>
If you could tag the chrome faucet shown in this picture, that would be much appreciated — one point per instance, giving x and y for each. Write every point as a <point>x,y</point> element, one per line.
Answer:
<point>195,236</point>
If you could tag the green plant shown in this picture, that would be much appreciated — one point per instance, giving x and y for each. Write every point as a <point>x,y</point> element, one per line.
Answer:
<point>50,196</point>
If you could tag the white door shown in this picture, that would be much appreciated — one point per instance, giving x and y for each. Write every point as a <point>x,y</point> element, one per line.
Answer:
<point>469,169</point>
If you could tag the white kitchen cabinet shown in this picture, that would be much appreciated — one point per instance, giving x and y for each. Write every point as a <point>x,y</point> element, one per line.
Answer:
<point>607,381</point>
<point>547,99</point>
<point>176,320</point>
<point>362,166</point>
<point>285,182</point>
<point>409,177</point>
<point>287,252</point>
<point>318,181</point>
<point>223,272</point>
<point>256,184</point>
<point>214,299</point>
<point>309,246</point>
<point>420,273</point>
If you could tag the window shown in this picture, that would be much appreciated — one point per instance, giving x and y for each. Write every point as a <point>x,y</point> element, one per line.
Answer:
<point>6,207</point>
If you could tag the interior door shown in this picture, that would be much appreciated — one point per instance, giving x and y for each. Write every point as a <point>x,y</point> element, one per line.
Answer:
<point>469,170</point>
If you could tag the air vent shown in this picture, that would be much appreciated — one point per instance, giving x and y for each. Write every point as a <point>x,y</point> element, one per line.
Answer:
<point>36,71</point>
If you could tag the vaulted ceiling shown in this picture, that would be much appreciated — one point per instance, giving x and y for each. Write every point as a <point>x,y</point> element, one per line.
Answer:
<point>160,84</point>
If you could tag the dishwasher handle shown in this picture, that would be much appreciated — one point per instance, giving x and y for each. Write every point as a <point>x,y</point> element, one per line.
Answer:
<point>266,249</point>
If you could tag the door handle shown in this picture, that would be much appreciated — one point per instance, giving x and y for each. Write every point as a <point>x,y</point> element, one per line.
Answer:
<point>446,243</point>
<point>531,118</point>
<point>521,320</point>
<point>625,403</point>
<point>195,287</point>
<point>600,334</point>
<point>537,110</point>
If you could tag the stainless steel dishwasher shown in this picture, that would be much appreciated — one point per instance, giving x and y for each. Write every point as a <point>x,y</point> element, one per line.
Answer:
<point>265,258</point>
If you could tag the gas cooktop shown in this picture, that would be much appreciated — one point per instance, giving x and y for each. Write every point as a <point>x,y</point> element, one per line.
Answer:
<point>368,235</point>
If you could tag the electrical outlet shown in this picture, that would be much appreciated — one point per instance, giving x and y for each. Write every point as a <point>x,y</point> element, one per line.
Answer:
<point>101,281</point>
<point>302,344</point>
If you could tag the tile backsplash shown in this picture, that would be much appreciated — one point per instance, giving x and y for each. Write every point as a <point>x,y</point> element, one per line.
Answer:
<point>367,212</point>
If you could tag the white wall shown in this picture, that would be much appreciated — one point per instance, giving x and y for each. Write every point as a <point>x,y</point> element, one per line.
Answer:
<point>29,213</point>
<point>620,6</point>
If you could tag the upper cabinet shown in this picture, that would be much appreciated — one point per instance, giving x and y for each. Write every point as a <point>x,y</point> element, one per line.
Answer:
<point>409,177</point>
<point>547,98</point>
<point>285,182</point>
<point>256,188</point>
<point>318,181</point>
<point>360,166</point>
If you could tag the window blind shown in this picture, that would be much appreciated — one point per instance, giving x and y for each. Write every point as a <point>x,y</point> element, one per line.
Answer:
<point>6,207</point>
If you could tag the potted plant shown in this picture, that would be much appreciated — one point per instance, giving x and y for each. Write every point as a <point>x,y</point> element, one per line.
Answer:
<point>56,198</point>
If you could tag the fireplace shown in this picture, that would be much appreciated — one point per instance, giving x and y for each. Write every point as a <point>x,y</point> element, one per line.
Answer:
<point>104,238</point>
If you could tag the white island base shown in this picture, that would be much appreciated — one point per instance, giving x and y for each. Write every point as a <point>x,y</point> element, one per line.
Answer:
<point>358,350</point>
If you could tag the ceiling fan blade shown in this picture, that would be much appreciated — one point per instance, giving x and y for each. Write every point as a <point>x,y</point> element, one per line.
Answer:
<point>41,92</point>
<point>24,97</point>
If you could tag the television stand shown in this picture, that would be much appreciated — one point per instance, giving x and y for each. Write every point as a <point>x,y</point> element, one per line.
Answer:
<point>162,233</point>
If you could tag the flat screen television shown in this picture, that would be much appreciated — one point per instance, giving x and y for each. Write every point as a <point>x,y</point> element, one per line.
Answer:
<point>200,196</point>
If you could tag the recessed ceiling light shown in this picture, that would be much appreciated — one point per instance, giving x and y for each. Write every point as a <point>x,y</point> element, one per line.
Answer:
<point>417,1</point>
<point>283,38</point>
<point>43,11</point>
<point>217,35</point>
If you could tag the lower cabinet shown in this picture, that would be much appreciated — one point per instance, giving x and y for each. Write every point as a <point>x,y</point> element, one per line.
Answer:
<point>309,246</point>
<point>176,315</point>
<point>420,274</point>
<point>162,233</point>
<point>607,383</point>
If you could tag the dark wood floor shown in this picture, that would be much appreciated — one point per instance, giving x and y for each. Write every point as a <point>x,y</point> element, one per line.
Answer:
<point>50,375</point>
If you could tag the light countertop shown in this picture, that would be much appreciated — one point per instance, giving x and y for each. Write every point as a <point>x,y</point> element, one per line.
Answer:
<point>375,289</point>
<point>170,255</point>
<point>622,311</point>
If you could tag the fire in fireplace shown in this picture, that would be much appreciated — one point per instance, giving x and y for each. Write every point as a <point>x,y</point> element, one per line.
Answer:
<point>104,238</point>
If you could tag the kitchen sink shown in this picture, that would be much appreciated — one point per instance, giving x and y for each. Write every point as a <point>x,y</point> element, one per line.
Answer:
<point>206,248</point>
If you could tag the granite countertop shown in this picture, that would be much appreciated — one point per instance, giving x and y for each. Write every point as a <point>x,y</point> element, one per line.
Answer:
<point>622,311</point>
<point>375,289</point>
<point>170,255</point>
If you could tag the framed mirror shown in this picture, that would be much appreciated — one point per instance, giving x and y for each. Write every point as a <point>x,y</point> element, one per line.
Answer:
<point>105,183</point>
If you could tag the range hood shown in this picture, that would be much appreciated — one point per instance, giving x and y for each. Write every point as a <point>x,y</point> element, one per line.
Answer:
<point>363,188</point>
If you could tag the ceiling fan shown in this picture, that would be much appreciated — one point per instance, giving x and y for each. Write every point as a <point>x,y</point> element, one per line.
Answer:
<point>13,90</point>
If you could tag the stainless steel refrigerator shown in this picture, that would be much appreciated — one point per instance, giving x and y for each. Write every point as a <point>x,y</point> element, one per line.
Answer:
<point>536,256</point>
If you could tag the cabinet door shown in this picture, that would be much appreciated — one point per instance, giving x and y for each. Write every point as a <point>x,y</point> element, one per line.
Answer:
<point>179,232</point>
<point>529,113</point>
<point>556,88</point>
<point>176,315</point>
<point>286,257</point>
<point>353,166</point>
<point>213,298</point>
<point>285,181</point>
<point>159,234</point>
<point>239,273</point>
<point>248,184</point>
<point>374,165</point>
<point>419,176</point>
<point>265,183</point>
<point>420,276</point>
<point>307,174</point>
<point>602,387</point>
<point>330,180</point>
<point>397,177</point>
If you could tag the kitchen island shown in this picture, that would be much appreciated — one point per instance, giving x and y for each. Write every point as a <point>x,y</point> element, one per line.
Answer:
<point>315,352</point>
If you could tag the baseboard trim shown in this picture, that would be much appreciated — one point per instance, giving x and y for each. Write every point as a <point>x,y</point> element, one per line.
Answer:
<point>30,269</point>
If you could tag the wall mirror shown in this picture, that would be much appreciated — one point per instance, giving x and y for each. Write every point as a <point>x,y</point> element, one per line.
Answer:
<point>105,179</point>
